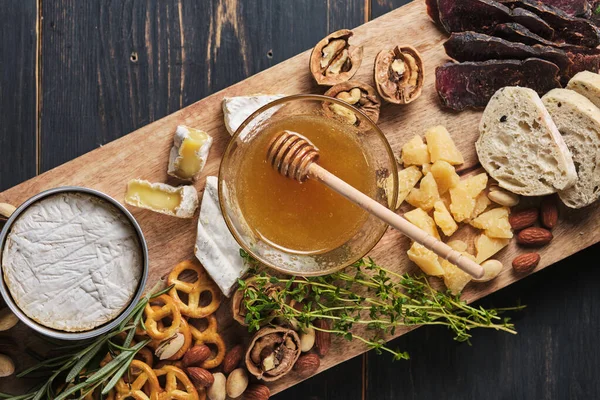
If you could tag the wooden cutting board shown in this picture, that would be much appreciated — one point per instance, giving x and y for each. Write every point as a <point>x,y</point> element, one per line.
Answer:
<point>144,154</point>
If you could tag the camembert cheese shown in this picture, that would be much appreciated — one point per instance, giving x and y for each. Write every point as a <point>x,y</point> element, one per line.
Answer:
<point>189,153</point>
<point>216,248</point>
<point>237,109</point>
<point>179,202</point>
<point>72,262</point>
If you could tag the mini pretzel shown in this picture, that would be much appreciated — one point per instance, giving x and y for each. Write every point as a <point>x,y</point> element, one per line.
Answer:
<point>210,335</point>
<point>184,329</point>
<point>194,290</point>
<point>155,314</point>
<point>144,387</point>
<point>178,385</point>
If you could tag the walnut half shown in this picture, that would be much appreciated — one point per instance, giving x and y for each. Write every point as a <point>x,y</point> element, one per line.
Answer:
<point>358,94</point>
<point>399,74</point>
<point>272,353</point>
<point>334,60</point>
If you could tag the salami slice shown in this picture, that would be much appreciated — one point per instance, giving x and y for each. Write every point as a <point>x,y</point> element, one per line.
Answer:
<point>472,46</point>
<point>472,84</point>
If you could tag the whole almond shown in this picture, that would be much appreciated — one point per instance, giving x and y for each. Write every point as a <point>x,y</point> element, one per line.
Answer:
<point>322,339</point>
<point>307,364</point>
<point>232,358</point>
<point>196,355</point>
<point>257,392</point>
<point>526,262</point>
<point>534,236</point>
<point>200,376</point>
<point>522,219</point>
<point>549,212</point>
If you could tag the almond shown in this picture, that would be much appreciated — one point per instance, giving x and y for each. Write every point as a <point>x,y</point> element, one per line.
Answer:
<point>526,262</point>
<point>549,212</point>
<point>307,365</point>
<point>523,218</point>
<point>257,392</point>
<point>196,355</point>
<point>534,236</point>
<point>232,358</point>
<point>200,376</point>
<point>322,339</point>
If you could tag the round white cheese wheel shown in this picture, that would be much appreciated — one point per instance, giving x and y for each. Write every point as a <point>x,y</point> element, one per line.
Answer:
<point>72,262</point>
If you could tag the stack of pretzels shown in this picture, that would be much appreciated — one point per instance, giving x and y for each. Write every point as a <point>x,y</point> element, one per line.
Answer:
<point>180,312</point>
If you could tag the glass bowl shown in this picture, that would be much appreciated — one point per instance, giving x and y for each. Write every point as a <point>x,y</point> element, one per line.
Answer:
<point>382,169</point>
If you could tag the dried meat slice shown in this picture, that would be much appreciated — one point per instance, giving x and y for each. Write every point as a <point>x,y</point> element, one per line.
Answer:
<point>573,30</point>
<point>472,84</point>
<point>472,46</point>
<point>574,8</point>
<point>518,33</point>
<point>433,10</point>
<point>583,59</point>
<point>484,15</point>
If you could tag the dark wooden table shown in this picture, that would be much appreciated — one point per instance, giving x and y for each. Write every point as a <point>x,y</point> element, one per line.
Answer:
<point>78,74</point>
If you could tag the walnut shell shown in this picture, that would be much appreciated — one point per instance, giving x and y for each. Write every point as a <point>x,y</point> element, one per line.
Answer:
<point>277,345</point>
<point>333,60</point>
<point>358,94</point>
<point>399,74</point>
<point>237,307</point>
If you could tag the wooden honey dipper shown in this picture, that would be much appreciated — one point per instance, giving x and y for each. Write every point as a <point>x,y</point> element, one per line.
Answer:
<point>295,157</point>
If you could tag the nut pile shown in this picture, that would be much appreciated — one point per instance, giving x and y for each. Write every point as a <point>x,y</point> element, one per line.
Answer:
<point>531,236</point>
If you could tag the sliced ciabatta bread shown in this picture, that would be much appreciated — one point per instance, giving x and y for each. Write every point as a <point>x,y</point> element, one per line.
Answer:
<point>578,121</point>
<point>520,147</point>
<point>587,84</point>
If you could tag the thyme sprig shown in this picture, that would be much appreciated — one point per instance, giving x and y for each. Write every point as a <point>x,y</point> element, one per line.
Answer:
<point>77,373</point>
<point>364,295</point>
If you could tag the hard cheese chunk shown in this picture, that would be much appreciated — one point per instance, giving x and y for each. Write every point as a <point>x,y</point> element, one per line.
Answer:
<point>407,179</point>
<point>189,152</point>
<point>455,279</point>
<point>237,109</point>
<point>495,223</point>
<point>464,194</point>
<point>481,203</point>
<point>486,246</point>
<point>422,220</point>
<point>426,195</point>
<point>443,219</point>
<point>216,248</point>
<point>179,202</point>
<point>414,152</point>
<point>445,176</point>
<point>441,146</point>
<point>426,259</point>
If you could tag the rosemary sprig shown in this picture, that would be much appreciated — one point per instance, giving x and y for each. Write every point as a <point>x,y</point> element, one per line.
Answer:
<point>365,295</point>
<point>78,373</point>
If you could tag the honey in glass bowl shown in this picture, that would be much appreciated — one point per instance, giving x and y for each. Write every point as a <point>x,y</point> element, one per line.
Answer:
<point>304,218</point>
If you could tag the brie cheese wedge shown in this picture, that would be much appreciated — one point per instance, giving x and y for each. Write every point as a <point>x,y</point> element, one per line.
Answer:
<point>189,153</point>
<point>179,202</point>
<point>72,262</point>
<point>237,109</point>
<point>216,248</point>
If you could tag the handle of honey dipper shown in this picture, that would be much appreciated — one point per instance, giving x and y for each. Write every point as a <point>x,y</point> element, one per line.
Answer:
<point>391,218</point>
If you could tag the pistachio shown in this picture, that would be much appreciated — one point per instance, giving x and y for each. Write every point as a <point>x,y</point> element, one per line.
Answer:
<point>399,74</point>
<point>170,346</point>
<point>307,340</point>
<point>7,366</point>
<point>358,94</point>
<point>7,319</point>
<point>334,60</point>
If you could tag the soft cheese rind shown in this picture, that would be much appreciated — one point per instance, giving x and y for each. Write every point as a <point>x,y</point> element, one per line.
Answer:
<point>578,120</point>
<point>216,248</point>
<point>176,158</point>
<point>186,208</point>
<point>237,109</point>
<point>520,147</point>
<point>72,262</point>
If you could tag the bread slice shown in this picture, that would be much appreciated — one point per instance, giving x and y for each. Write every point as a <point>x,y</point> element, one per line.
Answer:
<point>578,121</point>
<point>520,147</point>
<point>587,84</point>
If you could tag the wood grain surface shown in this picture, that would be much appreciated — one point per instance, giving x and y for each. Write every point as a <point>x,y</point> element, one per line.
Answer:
<point>112,67</point>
